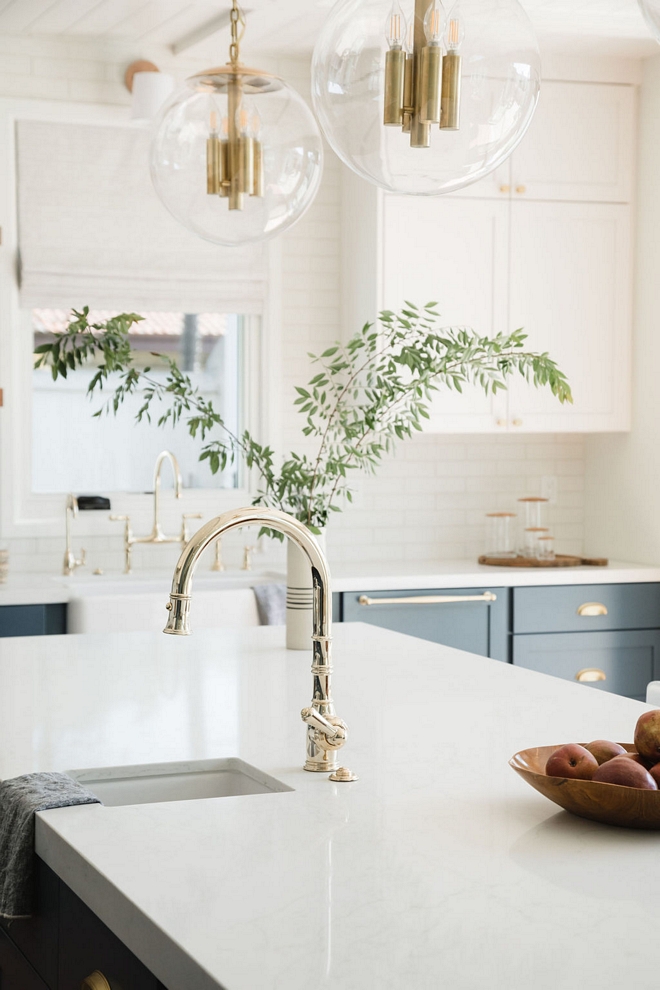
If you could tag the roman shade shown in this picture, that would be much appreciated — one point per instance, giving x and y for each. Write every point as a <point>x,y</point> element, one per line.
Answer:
<point>93,231</point>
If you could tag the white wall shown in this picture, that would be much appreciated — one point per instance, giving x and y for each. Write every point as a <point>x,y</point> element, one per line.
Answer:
<point>427,502</point>
<point>623,471</point>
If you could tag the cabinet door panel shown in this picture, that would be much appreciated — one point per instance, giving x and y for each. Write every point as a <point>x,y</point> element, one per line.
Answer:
<point>571,291</point>
<point>579,146</point>
<point>629,660</point>
<point>15,972</point>
<point>477,627</point>
<point>454,252</point>
<point>87,945</point>
<point>36,937</point>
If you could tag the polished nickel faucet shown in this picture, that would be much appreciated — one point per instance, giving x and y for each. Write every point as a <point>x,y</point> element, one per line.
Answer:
<point>326,733</point>
<point>156,535</point>
<point>70,561</point>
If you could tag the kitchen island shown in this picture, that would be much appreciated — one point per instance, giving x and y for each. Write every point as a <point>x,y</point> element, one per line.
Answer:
<point>438,868</point>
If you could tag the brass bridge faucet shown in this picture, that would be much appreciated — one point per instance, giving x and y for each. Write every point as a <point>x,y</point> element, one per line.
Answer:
<point>70,561</point>
<point>156,535</point>
<point>326,733</point>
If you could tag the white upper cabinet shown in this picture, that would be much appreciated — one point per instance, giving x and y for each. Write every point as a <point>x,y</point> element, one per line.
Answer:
<point>455,253</point>
<point>580,145</point>
<point>544,244</point>
<point>570,280</point>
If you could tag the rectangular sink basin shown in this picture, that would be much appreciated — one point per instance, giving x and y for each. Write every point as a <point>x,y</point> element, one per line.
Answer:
<point>152,783</point>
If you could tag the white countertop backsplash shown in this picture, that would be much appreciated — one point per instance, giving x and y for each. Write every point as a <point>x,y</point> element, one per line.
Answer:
<point>439,867</point>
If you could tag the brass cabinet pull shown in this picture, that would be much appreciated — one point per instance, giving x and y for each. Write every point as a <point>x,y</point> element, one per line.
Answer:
<point>589,675</point>
<point>517,422</point>
<point>592,608</point>
<point>95,981</point>
<point>488,596</point>
<point>500,422</point>
<point>505,189</point>
<point>521,190</point>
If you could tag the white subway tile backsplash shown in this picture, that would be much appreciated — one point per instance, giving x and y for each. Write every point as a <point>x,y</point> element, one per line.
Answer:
<point>430,499</point>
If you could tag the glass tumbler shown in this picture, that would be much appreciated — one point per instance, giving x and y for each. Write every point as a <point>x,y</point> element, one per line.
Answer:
<point>501,535</point>
<point>546,548</point>
<point>533,534</point>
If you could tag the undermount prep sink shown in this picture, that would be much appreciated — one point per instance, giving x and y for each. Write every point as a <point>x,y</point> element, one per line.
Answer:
<point>151,783</point>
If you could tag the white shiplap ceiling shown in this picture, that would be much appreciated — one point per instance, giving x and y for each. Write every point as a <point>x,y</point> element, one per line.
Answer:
<point>611,27</point>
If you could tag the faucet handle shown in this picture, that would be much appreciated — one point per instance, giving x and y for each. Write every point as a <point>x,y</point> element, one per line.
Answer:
<point>218,564</point>
<point>185,535</point>
<point>330,732</point>
<point>247,558</point>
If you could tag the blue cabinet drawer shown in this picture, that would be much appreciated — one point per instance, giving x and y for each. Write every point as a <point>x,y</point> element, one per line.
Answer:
<point>477,626</point>
<point>32,620</point>
<point>627,660</point>
<point>568,608</point>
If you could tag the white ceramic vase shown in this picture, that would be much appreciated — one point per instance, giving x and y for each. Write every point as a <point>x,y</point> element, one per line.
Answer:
<point>299,596</point>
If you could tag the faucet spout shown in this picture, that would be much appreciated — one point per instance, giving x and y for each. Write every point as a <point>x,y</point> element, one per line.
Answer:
<point>165,455</point>
<point>322,739</point>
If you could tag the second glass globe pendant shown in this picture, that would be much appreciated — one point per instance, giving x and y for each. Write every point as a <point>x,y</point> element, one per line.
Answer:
<point>237,156</point>
<point>462,86</point>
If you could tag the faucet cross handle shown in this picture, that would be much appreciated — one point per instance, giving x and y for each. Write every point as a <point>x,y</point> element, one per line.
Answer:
<point>185,535</point>
<point>128,540</point>
<point>247,557</point>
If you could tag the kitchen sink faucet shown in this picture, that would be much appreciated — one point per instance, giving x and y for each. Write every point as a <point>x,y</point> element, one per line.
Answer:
<point>326,733</point>
<point>156,535</point>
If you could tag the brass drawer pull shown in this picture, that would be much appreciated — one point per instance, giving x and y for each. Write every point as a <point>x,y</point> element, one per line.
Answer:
<point>590,675</point>
<point>488,596</point>
<point>95,981</point>
<point>505,189</point>
<point>592,608</point>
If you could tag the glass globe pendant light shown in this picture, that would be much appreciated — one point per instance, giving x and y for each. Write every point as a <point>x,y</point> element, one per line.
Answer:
<point>651,11</point>
<point>422,101</point>
<point>237,155</point>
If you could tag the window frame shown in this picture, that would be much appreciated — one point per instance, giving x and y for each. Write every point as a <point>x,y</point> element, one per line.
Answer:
<point>24,513</point>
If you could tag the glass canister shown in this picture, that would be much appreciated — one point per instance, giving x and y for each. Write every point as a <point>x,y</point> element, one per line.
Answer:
<point>546,548</point>
<point>534,511</point>
<point>532,537</point>
<point>501,534</point>
<point>4,565</point>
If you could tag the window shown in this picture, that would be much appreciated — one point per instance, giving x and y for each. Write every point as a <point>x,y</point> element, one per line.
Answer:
<point>74,451</point>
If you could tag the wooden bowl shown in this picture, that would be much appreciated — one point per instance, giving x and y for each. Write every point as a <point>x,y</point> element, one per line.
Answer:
<point>612,804</point>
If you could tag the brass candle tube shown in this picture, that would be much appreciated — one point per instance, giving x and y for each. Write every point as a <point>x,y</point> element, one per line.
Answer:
<point>395,72</point>
<point>430,84</point>
<point>246,164</point>
<point>258,176</point>
<point>450,117</point>
<point>213,165</point>
<point>225,177</point>
<point>408,107</point>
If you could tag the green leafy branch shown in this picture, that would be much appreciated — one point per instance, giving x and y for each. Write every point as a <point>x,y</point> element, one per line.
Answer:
<point>367,395</point>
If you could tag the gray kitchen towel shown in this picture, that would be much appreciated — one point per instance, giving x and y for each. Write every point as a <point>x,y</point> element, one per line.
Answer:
<point>271,603</point>
<point>20,799</point>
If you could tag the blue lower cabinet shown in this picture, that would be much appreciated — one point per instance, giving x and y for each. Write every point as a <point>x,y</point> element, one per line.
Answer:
<point>477,626</point>
<point>32,620</point>
<point>622,662</point>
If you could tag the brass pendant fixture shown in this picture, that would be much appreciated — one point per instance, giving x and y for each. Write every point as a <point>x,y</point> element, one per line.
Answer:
<point>237,155</point>
<point>234,154</point>
<point>423,71</point>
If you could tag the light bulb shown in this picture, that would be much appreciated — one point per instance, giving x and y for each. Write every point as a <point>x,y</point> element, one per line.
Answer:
<point>214,122</point>
<point>395,27</point>
<point>434,23</point>
<point>255,123</point>
<point>455,29</point>
<point>242,118</point>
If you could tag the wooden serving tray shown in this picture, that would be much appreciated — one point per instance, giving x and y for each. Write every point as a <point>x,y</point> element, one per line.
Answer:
<point>561,560</point>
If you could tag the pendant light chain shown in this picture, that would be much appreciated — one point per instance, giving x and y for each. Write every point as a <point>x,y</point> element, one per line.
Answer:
<point>236,18</point>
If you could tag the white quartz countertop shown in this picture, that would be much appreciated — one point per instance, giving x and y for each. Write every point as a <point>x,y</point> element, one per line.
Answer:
<point>439,867</point>
<point>468,574</point>
<point>36,589</point>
